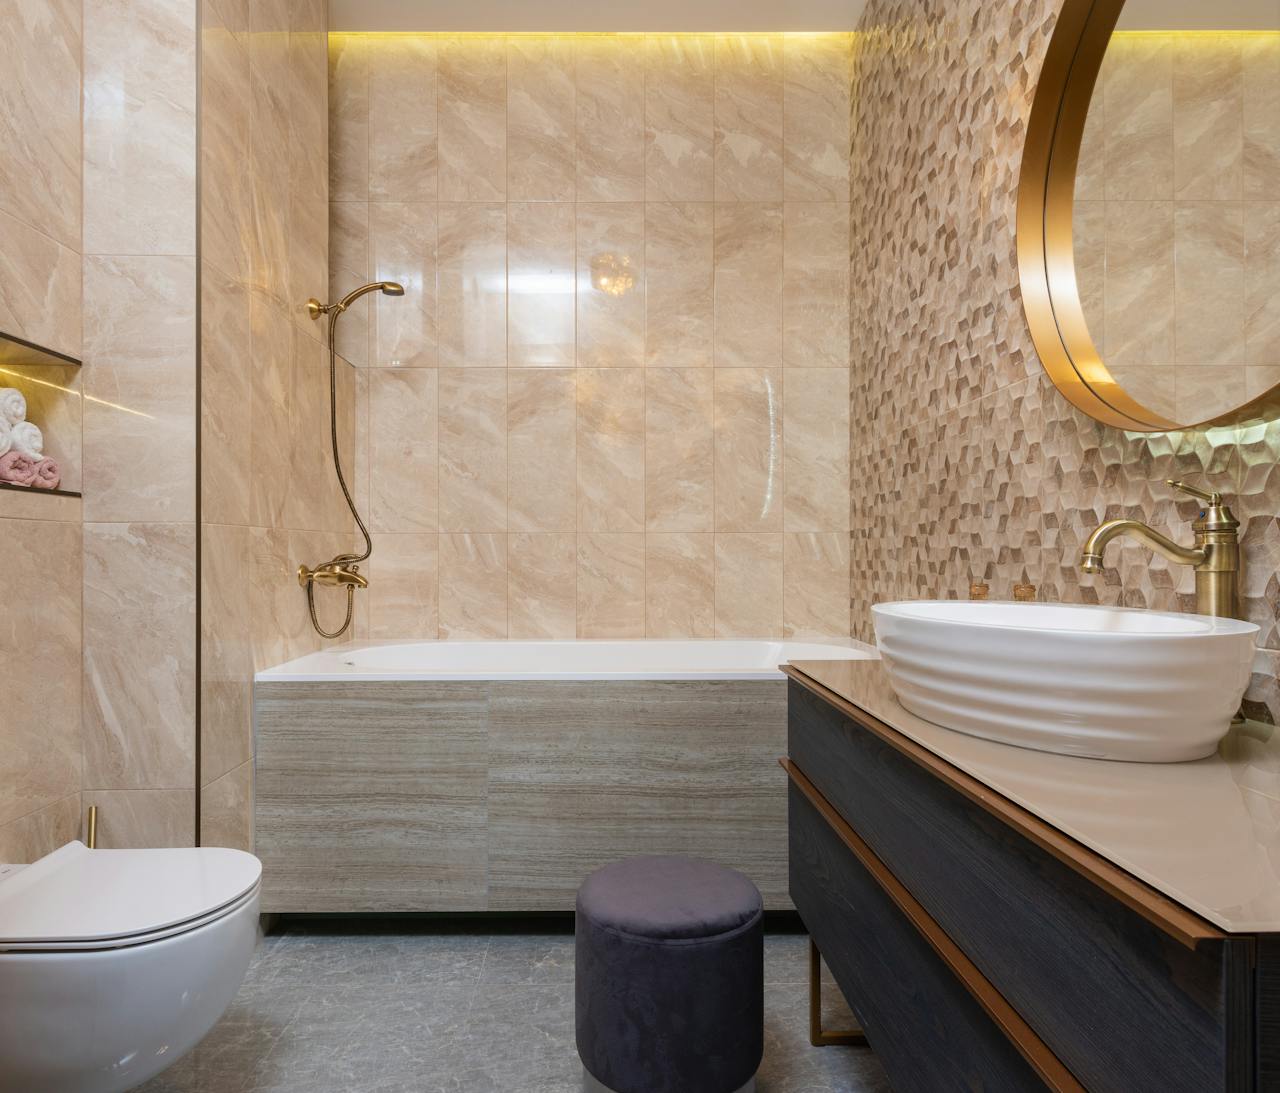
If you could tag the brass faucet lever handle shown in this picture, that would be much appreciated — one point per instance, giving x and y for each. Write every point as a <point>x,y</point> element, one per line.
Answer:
<point>1207,496</point>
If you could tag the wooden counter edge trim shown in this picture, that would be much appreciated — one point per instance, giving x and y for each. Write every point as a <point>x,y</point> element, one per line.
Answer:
<point>1036,1052</point>
<point>1184,926</point>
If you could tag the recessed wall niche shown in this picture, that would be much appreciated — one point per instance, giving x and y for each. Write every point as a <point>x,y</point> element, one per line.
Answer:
<point>50,385</point>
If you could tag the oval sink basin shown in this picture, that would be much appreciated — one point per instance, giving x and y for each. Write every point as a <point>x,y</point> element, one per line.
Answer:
<point>1102,682</point>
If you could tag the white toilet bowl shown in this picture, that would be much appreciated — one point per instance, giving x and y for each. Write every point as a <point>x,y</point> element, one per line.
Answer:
<point>115,963</point>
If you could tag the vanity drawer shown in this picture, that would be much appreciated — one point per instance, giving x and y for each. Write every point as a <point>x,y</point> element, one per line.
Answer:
<point>1123,1004</point>
<point>897,984</point>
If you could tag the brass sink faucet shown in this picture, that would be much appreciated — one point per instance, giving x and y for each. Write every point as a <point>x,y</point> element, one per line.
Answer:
<point>1215,556</point>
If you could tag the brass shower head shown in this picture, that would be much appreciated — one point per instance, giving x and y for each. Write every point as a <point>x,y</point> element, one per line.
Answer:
<point>389,288</point>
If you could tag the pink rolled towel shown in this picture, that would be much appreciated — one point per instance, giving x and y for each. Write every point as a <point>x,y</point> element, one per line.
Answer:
<point>48,475</point>
<point>18,469</point>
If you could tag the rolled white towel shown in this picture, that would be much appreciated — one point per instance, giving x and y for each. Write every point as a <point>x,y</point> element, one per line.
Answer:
<point>13,405</point>
<point>6,436</point>
<point>26,437</point>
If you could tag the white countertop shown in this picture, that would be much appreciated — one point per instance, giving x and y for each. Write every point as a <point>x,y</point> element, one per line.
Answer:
<point>1206,834</point>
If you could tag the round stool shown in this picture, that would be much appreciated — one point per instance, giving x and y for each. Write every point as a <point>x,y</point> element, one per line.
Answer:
<point>670,978</point>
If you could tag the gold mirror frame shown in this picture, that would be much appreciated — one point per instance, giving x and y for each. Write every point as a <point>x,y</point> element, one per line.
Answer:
<point>1046,251</point>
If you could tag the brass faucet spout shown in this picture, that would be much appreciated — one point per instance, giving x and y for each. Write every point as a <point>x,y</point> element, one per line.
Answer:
<point>1091,553</point>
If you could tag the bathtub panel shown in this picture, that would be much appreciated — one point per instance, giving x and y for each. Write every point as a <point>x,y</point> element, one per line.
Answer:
<point>582,774</point>
<point>502,795</point>
<point>371,797</point>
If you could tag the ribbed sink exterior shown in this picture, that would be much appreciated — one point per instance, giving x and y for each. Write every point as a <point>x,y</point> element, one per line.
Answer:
<point>1110,683</point>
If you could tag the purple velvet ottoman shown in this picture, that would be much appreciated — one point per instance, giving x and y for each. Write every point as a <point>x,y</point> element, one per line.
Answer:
<point>670,978</point>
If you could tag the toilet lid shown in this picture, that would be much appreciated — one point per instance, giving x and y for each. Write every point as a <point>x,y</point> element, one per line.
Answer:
<point>76,894</point>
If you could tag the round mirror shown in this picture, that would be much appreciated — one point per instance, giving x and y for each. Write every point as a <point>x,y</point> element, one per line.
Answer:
<point>1149,211</point>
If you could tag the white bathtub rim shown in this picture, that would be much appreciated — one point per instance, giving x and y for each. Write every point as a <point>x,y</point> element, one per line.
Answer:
<point>326,666</point>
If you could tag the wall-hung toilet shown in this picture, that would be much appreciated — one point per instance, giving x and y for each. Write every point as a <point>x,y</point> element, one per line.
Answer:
<point>115,963</point>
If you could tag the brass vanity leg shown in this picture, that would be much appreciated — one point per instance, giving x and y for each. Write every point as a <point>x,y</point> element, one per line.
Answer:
<point>817,1037</point>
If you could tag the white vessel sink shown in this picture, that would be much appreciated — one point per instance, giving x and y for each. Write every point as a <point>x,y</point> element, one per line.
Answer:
<point>1103,682</point>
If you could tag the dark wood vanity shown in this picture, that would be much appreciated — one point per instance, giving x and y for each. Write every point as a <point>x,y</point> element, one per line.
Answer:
<point>983,949</point>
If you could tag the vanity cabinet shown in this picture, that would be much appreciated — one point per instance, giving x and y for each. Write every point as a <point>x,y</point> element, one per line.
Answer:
<point>983,949</point>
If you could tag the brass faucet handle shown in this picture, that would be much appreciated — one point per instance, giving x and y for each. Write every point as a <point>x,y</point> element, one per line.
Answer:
<point>1208,497</point>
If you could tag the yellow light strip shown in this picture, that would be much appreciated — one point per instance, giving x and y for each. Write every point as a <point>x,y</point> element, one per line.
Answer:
<point>70,391</point>
<point>591,33</point>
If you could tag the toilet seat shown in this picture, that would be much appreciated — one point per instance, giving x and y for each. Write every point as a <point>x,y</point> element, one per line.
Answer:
<point>76,899</point>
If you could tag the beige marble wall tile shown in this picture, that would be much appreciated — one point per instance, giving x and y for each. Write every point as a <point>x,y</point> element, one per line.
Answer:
<point>473,449</point>
<point>1140,283</point>
<point>402,118</point>
<point>225,108</point>
<point>1138,96</point>
<point>679,262</point>
<point>1204,392</point>
<point>140,128</point>
<point>25,840</point>
<point>610,117</point>
<point>404,406</point>
<point>1258,381</point>
<point>1261,111</point>
<point>611,450</point>
<point>274,592</point>
<point>1089,232</point>
<point>1210,285</point>
<point>39,731</point>
<point>679,449</point>
<point>315,501</point>
<point>40,288</point>
<point>816,449</point>
<point>140,377</point>
<point>542,450</point>
<point>1262,283</point>
<point>349,119</point>
<point>472,271</point>
<point>350,266</point>
<point>473,586</point>
<point>226,810</point>
<point>404,587</point>
<point>818,81</point>
<point>542,586</point>
<point>680,117</point>
<point>37,505</point>
<point>1091,167</point>
<point>139,656</point>
<point>748,284</point>
<point>749,117</point>
<point>748,449</point>
<point>679,585</point>
<point>272,378</point>
<point>611,312</point>
<point>749,584</point>
<point>269,166</point>
<point>815,581</point>
<point>402,248</point>
<point>307,208</point>
<point>1208,118</point>
<point>611,595</point>
<point>815,292</point>
<point>540,284</point>
<point>226,650</point>
<point>541,119</point>
<point>133,819</point>
<point>472,104</point>
<point>40,162</point>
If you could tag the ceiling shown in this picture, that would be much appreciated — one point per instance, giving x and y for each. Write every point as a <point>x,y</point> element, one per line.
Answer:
<point>515,16</point>
<point>1201,15</point>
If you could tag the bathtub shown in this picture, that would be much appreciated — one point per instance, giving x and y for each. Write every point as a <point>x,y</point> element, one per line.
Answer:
<point>370,662</point>
<point>450,777</point>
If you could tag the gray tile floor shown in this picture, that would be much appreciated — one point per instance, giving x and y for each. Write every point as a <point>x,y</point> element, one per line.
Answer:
<point>381,1008</point>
